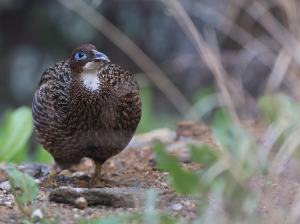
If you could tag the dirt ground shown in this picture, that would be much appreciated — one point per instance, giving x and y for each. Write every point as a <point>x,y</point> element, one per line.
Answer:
<point>134,169</point>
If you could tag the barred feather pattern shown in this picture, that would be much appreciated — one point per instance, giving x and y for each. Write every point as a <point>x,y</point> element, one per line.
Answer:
<point>72,122</point>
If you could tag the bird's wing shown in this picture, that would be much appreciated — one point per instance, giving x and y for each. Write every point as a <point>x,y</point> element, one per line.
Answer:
<point>50,99</point>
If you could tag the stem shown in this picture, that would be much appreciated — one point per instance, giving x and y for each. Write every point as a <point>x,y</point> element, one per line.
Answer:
<point>28,212</point>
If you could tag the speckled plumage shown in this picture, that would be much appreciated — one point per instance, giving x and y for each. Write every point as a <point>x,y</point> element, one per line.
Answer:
<point>73,120</point>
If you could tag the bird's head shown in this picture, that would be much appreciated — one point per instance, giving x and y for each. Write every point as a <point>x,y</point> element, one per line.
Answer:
<point>85,57</point>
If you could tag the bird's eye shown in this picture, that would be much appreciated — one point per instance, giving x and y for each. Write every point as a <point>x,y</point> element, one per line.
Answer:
<point>80,55</point>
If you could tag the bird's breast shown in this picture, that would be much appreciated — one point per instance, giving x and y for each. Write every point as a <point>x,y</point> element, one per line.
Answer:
<point>90,80</point>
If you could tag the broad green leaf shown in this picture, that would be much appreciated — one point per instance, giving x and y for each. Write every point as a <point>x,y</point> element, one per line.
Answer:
<point>268,108</point>
<point>15,133</point>
<point>164,160</point>
<point>222,120</point>
<point>183,182</point>
<point>148,119</point>
<point>21,155</point>
<point>204,154</point>
<point>42,156</point>
<point>271,107</point>
<point>25,182</point>
<point>221,128</point>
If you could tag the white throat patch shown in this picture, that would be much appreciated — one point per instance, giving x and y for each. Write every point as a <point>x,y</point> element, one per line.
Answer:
<point>89,76</point>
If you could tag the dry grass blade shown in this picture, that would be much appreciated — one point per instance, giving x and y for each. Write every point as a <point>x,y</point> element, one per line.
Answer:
<point>279,70</point>
<point>136,54</point>
<point>204,51</point>
<point>252,45</point>
<point>231,13</point>
<point>273,132</point>
<point>285,152</point>
<point>283,36</point>
<point>241,36</point>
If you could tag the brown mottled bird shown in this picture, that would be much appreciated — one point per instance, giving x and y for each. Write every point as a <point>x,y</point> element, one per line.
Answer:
<point>85,107</point>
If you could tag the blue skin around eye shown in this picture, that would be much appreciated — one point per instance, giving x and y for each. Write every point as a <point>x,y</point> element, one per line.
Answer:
<point>77,56</point>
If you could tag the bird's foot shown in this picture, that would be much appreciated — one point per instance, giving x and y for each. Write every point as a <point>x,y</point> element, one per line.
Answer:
<point>49,180</point>
<point>94,182</point>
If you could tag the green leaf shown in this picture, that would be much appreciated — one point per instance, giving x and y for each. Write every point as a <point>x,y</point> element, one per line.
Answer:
<point>15,133</point>
<point>222,119</point>
<point>148,119</point>
<point>268,108</point>
<point>204,155</point>
<point>183,182</point>
<point>21,155</point>
<point>271,107</point>
<point>25,182</point>
<point>42,156</point>
<point>239,143</point>
<point>164,160</point>
<point>221,128</point>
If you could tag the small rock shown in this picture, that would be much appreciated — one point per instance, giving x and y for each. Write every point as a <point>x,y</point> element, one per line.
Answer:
<point>3,166</point>
<point>5,186</point>
<point>37,181</point>
<point>77,174</point>
<point>37,213</point>
<point>80,203</point>
<point>8,203</point>
<point>76,216</point>
<point>33,170</point>
<point>177,207</point>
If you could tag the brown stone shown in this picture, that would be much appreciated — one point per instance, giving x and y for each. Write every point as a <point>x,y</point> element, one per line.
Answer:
<point>114,197</point>
<point>80,203</point>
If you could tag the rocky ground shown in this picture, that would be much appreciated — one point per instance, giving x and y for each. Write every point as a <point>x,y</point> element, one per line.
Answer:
<point>127,178</point>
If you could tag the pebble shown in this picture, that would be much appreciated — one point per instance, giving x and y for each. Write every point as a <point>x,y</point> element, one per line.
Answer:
<point>177,207</point>
<point>76,216</point>
<point>81,203</point>
<point>8,203</point>
<point>37,181</point>
<point>37,213</point>
<point>33,170</point>
<point>5,186</point>
<point>78,174</point>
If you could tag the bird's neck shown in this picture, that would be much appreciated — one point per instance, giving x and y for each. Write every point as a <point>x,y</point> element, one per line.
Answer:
<point>90,80</point>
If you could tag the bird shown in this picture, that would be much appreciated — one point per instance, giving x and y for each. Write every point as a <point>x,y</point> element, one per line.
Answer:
<point>85,106</point>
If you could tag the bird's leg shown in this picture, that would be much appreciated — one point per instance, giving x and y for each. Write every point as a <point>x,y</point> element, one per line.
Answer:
<point>95,180</point>
<point>96,177</point>
<point>49,179</point>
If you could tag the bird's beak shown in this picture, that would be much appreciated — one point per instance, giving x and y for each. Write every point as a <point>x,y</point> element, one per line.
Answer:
<point>99,56</point>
